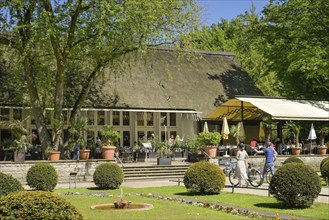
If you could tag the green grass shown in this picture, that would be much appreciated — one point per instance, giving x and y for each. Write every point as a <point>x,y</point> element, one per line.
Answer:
<point>174,210</point>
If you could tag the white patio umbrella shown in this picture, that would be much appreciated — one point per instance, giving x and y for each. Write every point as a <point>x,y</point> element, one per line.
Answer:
<point>225,129</point>
<point>261,134</point>
<point>225,132</point>
<point>311,135</point>
<point>241,134</point>
<point>205,127</point>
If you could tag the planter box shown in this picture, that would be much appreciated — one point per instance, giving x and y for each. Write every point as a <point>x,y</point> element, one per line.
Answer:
<point>164,161</point>
<point>19,157</point>
<point>195,157</point>
<point>140,157</point>
<point>152,154</point>
<point>178,154</point>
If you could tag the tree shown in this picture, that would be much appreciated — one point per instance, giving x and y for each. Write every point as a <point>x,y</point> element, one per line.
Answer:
<point>296,44</point>
<point>53,40</point>
<point>242,36</point>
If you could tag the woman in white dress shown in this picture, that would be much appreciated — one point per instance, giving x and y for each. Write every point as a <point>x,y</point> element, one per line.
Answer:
<point>241,171</point>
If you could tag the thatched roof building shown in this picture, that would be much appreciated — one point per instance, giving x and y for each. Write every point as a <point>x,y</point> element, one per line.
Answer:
<point>167,79</point>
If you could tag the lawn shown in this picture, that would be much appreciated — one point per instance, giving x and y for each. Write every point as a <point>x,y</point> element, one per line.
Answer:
<point>164,209</point>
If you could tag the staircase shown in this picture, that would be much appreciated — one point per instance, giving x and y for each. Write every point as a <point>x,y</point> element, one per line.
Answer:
<point>153,172</point>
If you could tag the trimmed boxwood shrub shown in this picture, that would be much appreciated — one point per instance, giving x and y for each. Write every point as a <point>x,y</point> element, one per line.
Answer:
<point>323,161</point>
<point>9,184</point>
<point>42,176</point>
<point>205,178</point>
<point>293,160</point>
<point>108,176</point>
<point>295,185</point>
<point>32,205</point>
<point>325,169</point>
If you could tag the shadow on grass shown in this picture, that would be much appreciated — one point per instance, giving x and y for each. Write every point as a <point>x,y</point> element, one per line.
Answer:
<point>193,194</point>
<point>271,205</point>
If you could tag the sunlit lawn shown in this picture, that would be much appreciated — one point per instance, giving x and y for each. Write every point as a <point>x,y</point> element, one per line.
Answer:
<point>175,210</point>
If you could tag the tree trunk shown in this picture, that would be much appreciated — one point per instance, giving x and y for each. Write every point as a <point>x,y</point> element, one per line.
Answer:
<point>37,110</point>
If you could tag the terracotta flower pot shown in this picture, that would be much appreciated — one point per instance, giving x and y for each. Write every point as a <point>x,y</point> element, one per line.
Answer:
<point>108,152</point>
<point>296,150</point>
<point>211,151</point>
<point>84,154</point>
<point>235,151</point>
<point>54,155</point>
<point>322,150</point>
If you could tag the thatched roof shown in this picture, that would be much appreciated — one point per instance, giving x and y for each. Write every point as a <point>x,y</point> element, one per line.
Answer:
<point>168,79</point>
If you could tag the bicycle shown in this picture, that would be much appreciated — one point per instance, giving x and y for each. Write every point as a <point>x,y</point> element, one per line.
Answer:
<point>253,173</point>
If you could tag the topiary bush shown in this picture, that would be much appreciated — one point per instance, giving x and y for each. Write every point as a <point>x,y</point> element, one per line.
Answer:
<point>325,169</point>
<point>293,160</point>
<point>42,176</point>
<point>31,205</point>
<point>108,176</point>
<point>295,185</point>
<point>323,161</point>
<point>9,184</point>
<point>205,178</point>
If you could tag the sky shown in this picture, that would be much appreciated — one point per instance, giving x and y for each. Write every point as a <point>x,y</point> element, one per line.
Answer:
<point>228,9</point>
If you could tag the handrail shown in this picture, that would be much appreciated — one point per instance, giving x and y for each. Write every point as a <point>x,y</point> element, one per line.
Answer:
<point>118,158</point>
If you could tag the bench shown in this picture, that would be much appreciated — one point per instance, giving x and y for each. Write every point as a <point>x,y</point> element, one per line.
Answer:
<point>178,181</point>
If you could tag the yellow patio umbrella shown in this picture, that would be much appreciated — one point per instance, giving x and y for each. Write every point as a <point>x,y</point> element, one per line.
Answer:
<point>225,129</point>
<point>261,134</point>
<point>240,133</point>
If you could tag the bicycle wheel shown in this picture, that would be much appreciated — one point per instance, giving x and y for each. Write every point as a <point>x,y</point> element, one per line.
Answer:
<point>268,177</point>
<point>255,177</point>
<point>233,179</point>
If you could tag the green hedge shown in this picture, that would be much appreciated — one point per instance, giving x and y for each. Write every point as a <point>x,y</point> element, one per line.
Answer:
<point>205,178</point>
<point>325,169</point>
<point>295,185</point>
<point>292,160</point>
<point>37,205</point>
<point>42,176</point>
<point>9,184</point>
<point>108,176</point>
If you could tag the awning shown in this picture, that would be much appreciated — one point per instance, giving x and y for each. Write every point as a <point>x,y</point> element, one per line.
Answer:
<point>255,108</point>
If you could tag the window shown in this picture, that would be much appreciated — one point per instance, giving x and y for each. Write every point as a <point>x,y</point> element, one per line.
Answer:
<point>140,118</point>
<point>163,119</point>
<point>90,117</point>
<point>149,119</point>
<point>65,116</point>
<point>90,138</point>
<point>4,114</point>
<point>17,114</point>
<point>172,119</point>
<point>100,118</point>
<point>116,118</point>
<point>48,117</point>
<point>126,118</point>
<point>126,138</point>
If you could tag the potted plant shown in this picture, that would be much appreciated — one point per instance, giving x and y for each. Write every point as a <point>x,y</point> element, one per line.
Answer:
<point>138,151</point>
<point>20,138</point>
<point>164,152</point>
<point>178,147</point>
<point>80,147</point>
<point>194,152</point>
<point>110,140</point>
<point>210,141</point>
<point>295,128</point>
<point>323,131</point>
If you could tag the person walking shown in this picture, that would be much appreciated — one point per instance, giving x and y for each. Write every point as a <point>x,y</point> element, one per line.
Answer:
<point>270,157</point>
<point>241,171</point>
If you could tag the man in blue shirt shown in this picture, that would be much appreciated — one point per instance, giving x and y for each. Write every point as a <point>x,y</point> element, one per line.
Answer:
<point>270,157</point>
